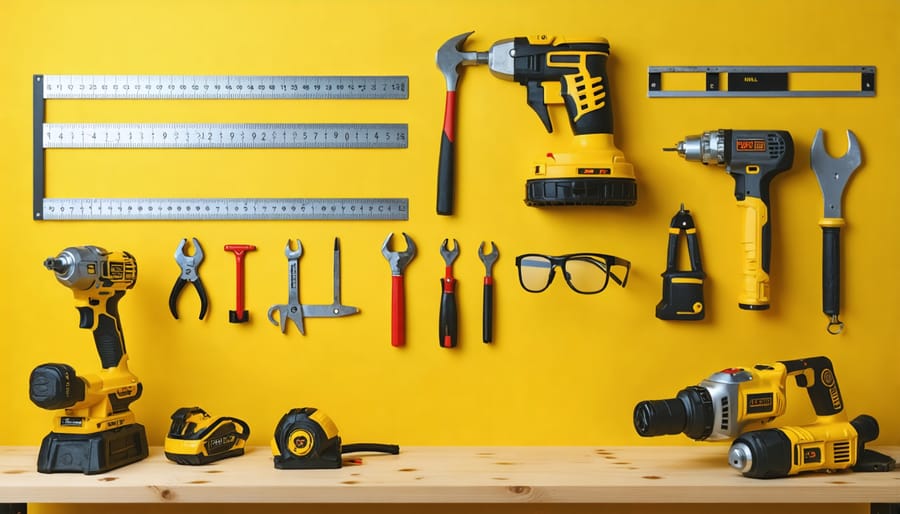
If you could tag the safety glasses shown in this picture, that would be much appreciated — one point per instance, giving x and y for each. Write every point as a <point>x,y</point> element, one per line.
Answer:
<point>586,273</point>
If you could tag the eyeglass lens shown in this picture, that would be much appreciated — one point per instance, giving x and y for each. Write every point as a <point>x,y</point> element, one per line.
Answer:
<point>584,274</point>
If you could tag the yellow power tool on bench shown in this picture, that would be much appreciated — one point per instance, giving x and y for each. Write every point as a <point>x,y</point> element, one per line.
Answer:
<point>740,404</point>
<point>95,432</point>
<point>197,438</point>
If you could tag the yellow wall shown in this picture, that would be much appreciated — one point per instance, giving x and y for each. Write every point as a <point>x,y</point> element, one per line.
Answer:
<point>565,368</point>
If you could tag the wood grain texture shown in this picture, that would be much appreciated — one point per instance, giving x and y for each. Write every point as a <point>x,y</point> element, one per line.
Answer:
<point>695,474</point>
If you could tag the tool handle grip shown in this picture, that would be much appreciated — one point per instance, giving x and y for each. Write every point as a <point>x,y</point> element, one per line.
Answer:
<point>106,326</point>
<point>398,312</point>
<point>447,161</point>
<point>831,275</point>
<point>756,245</point>
<point>487,315</point>
<point>816,375</point>
<point>447,331</point>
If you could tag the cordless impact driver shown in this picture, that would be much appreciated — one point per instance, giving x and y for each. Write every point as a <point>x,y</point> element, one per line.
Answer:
<point>753,158</point>
<point>740,404</point>
<point>554,70</point>
<point>95,431</point>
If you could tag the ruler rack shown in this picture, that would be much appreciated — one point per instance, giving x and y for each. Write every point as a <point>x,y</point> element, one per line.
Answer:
<point>213,135</point>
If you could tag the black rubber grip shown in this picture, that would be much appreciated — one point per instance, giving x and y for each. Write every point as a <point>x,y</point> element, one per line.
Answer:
<point>446,166</point>
<point>447,331</point>
<point>108,334</point>
<point>831,270</point>
<point>824,392</point>
<point>487,315</point>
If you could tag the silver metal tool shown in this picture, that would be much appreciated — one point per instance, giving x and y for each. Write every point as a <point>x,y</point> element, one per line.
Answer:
<point>764,81</point>
<point>231,87</point>
<point>833,175</point>
<point>487,314</point>
<point>225,135</point>
<point>293,309</point>
<point>223,209</point>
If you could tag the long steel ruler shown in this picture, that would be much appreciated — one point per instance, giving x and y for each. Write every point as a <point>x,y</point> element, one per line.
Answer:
<point>758,81</point>
<point>229,87</point>
<point>225,209</point>
<point>213,135</point>
<point>224,135</point>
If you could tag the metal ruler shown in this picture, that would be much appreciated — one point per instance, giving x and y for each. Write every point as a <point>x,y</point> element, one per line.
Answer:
<point>225,209</point>
<point>758,81</point>
<point>213,135</point>
<point>224,135</point>
<point>228,87</point>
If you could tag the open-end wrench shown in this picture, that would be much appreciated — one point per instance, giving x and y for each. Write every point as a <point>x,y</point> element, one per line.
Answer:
<point>487,314</point>
<point>448,323</point>
<point>292,310</point>
<point>239,315</point>
<point>398,262</point>
<point>833,175</point>
<point>449,57</point>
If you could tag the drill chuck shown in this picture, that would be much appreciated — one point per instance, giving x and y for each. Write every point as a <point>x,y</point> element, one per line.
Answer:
<point>690,412</point>
<point>708,147</point>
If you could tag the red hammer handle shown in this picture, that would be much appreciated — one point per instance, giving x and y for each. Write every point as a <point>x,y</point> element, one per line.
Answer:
<point>447,161</point>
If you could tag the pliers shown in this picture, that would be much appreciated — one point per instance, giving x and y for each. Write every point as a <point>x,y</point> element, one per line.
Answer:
<point>189,265</point>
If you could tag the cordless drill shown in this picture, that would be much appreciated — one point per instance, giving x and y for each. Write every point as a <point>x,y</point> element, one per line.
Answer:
<point>555,70</point>
<point>753,158</point>
<point>95,432</point>
<point>740,404</point>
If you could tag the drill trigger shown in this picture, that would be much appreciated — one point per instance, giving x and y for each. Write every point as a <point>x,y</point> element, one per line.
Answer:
<point>86,317</point>
<point>536,102</point>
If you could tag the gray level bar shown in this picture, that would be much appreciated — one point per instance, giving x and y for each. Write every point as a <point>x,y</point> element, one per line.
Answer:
<point>757,81</point>
<point>224,135</point>
<point>175,87</point>
<point>225,209</point>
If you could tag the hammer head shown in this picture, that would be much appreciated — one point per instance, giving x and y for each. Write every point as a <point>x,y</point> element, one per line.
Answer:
<point>832,173</point>
<point>450,56</point>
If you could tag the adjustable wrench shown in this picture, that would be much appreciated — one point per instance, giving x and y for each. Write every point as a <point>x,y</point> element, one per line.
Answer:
<point>487,314</point>
<point>833,175</point>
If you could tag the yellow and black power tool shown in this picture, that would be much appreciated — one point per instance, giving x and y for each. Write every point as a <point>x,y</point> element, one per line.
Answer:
<point>306,438</point>
<point>554,70</point>
<point>753,158</point>
<point>740,403</point>
<point>95,431</point>
<point>197,438</point>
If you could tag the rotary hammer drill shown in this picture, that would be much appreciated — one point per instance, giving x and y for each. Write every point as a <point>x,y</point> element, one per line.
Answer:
<point>95,432</point>
<point>740,403</point>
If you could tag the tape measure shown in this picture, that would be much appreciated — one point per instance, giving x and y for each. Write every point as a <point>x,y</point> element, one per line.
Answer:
<point>214,136</point>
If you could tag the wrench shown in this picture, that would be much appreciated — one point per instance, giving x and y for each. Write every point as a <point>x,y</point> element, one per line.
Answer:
<point>398,262</point>
<point>448,324</point>
<point>292,310</point>
<point>487,314</point>
<point>833,175</point>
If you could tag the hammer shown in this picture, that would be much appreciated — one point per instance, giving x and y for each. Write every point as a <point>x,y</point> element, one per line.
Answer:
<point>449,57</point>
<point>239,315</point>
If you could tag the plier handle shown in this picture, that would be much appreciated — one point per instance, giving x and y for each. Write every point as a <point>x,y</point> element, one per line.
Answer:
<point>188,265</point>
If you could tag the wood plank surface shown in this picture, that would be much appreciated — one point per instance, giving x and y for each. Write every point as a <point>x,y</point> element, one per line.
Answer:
<point>688,474</point>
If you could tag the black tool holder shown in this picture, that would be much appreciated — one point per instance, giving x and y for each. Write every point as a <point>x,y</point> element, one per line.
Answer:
<point>682,290</point>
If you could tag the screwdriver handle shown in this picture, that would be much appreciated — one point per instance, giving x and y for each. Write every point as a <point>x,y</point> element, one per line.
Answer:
<point>447,162</point>
<point>756,243</point>
<point>487,315</point>
<point>398,312</point>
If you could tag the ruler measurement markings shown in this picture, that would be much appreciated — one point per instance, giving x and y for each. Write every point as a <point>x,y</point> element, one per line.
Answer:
<point>224,87</point>
<point>226,209</point>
